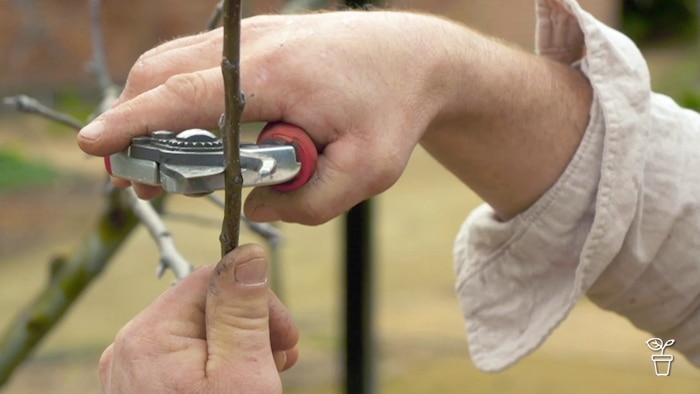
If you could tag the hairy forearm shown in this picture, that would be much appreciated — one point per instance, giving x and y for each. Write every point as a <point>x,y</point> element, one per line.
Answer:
<point>509,121</point>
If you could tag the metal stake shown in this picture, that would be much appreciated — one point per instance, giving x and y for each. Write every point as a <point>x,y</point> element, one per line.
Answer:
<point>359,290</point>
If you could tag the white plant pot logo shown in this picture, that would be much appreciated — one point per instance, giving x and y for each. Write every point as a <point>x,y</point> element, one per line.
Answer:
<point>662,362</point>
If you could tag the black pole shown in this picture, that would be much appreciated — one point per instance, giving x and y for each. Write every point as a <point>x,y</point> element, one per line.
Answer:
<point>359,357</point>
<point>359,286</point>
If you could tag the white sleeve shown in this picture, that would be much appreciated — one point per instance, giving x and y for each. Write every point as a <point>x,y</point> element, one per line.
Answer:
<point>622,224</point>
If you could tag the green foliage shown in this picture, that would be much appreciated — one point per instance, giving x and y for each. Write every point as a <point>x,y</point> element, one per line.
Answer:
<point>75,103</point>
<point>682,80</point>
<point>652,21</point>
<point>691,100</point>
<point>17,171</point>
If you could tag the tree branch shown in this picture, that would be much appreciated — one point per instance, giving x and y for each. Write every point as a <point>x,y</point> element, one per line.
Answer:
<point>170,258</point>
<point>215,17</point>
<point>270,233</point>
<point>110,91</point>
<point>274,238</point>
<point>99,59</point>
<point>234,100</point>
<point>31,105</point>
<point>70,276</point>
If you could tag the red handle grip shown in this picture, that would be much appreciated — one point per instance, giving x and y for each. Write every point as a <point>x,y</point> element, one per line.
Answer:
<point>108,165</point>
<point>284,133</point>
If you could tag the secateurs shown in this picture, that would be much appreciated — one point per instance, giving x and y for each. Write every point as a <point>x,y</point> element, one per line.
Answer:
<point>192,162</point>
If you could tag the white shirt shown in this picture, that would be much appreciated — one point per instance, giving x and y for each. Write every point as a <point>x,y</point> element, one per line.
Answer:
<point>621,225</point>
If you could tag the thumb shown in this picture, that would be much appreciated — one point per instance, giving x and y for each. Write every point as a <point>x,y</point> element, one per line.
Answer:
<point>237,317</point>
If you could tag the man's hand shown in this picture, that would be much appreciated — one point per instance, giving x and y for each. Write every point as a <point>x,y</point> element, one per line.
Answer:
<point>220,330</point>
<point>367,87</point>
<point>342,77</point>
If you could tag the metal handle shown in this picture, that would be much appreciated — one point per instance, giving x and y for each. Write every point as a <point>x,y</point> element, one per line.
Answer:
<point>192,162</point>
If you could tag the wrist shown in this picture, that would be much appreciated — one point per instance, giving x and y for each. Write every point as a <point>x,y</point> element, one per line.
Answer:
<point>508,121</point>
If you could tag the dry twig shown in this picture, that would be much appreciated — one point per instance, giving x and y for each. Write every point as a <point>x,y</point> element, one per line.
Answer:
<point>234,101</point>
<point>28,104</point>
<point>215,17</point>
<point>271,234</point>
<point>170,258</point>
<point>99,59</point>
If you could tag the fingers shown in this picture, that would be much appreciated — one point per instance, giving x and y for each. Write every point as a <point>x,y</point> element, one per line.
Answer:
<point>284,334</point>
<point>183,101</point>
<point>154,68</point>
<point>340,182</point>
<point>105,368</point>
<point>237,317</point>
<point>180,56</point>
<point>179,312</point>
<point>143,191</point>
<point>213,328</point>
<point>174,87</point>
<point>179,85</point>
<point>285,359</point>
<point>168,334</point>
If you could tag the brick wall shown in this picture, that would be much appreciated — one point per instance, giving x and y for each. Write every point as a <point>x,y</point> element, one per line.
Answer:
<point>46,44</point>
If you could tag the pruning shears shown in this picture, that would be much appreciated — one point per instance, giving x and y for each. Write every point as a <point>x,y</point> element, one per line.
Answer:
<point>192,162</point>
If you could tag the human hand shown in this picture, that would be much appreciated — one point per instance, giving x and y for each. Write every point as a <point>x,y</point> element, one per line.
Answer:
<point>220,330</point>
<point>368,87</point>
<point>328,73</point>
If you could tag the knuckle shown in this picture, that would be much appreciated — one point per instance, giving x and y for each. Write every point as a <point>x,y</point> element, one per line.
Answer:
<point>140,67</point>
<point>386,171</point>
<point>189,87</point>
<point>126,343</point>
<point>139,76</point>
<point>314,214</point>
<point>215,40</point>
<point>174,381</point>
<point>105,363</point>
<point>386,175</point>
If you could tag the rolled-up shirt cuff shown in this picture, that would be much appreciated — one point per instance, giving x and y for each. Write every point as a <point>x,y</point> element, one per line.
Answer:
<point>518,280</point>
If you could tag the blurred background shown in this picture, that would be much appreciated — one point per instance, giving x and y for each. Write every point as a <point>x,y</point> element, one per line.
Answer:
<point>51,194</point>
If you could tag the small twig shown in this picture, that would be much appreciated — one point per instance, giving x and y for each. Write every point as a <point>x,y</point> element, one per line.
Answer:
<point>272,235</point>
<point>99,59</point>
<point>170,258</point>
<point>274,238</point>
<point>191,218</point>
<point>31,105</point>
<point>234,102</point>
<point>215,17</point>
<point>110,91</point>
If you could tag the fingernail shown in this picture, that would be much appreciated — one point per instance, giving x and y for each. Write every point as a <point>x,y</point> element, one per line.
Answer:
<point>280,360</point>
<point>252,273</point>
<point>93,130</point>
